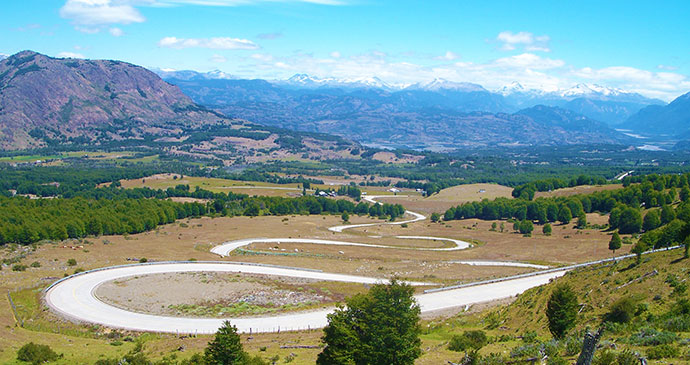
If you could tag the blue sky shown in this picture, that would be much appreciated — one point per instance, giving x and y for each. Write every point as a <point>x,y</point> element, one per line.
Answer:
<point>638,46</point>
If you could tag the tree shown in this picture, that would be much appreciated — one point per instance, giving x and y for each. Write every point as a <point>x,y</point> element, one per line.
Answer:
<point>561,310</point>
<point>36,354</point>
<point>546,229</point>
<point>503,227</point>
<point>226,347</point>
<point>615,242</point>
<point>581,220</point>
<point>526,227</point>
<point>564,215</point>
<point>685,193</point>
<point>435,217</point>
<point>651,220</point>
<point>380,327</point>
<point>345,217</point>
<point>638,249</point>
<point>630,221</point>
<point>667,214</point>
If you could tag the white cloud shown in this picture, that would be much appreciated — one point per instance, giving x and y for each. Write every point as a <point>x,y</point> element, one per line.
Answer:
<point>211,43</point>
<point>264,57</point>
<point>218,58</point>
<point>529,61</point>
<point>100,12</point>
<point>70,55</point>
<point>449,56</point>
<point>667,67</point>
<point>116,32</point>
<point>511,41</point>
<point>335,54</point>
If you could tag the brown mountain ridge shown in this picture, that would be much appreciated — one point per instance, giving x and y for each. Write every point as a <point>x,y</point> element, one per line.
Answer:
<point>52,98</point>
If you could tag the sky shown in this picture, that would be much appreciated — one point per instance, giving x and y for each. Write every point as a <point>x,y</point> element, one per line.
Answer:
<point>637,46</point>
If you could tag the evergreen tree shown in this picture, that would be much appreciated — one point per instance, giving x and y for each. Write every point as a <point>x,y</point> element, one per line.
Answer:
<point>226,347</point>
<point>380,327</point>
<point>667,214</point>
<point>615,242</point>
<point>526,227</point>
<point>561,310</point>
<point>581,220</point>
<point>630,221</point>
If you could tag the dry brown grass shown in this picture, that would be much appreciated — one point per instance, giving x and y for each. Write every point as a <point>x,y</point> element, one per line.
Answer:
<point>191,239</point>
<point>449,197</point>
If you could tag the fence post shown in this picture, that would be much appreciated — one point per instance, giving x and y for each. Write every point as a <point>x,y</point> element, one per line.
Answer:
<point>17,318</point>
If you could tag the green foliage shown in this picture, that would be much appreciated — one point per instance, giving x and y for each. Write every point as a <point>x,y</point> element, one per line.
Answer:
<point>662,352</point>
<point>565,215</point>
<point>380,327</point>
<point>226,347</point>
<point>651,221</point>
<point>630,221</point>
<point>546,230</point>
<point>526,227</point>
<point>71,262</point>
<point>581,220</point>
<point>36,354</point>
<point>345,217</point>
<point>435,217</point>
<point>561,310</point>
<point>622,311</point>
<point>615,242</point>
<point>468,340</point>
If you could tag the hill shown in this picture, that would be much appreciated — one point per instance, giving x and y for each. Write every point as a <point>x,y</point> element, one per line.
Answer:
<point>49,98</point>
<point>672,119</point>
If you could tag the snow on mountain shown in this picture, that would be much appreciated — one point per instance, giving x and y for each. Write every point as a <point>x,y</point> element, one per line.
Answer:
<point>308,81</point>
<point>442,84</point>
<point>168,73</point>
<point>3,56</point>
<point>584,90</point>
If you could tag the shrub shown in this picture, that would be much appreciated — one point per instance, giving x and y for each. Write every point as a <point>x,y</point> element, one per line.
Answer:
<point>35,264</point>
<point>662,352</point>
<point>71,262</point>
<point>143,260</point>
<point>622,311</point>
<point>651,337</point>
<point>36,354</point>
<point>19,267</point>
<point>468,340</point>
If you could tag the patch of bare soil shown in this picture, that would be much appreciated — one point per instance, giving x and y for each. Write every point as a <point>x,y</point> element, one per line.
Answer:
<point>209,294</point>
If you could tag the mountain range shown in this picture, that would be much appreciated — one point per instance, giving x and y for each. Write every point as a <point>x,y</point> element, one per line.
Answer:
<point>46,100</point>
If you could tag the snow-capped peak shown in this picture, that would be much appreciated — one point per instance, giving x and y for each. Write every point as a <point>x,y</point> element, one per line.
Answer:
<point>589,90</point>
<point>512,88</point>
<point>218,74</point>
<point>442,84</point>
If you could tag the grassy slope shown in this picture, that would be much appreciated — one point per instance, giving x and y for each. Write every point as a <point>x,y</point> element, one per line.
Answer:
<point>597,288</point>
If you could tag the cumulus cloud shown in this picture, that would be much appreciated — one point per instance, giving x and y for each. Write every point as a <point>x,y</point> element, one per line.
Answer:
<point>100,12</point>
<point>512,41</point>
<point>211,43</point>
<point>116,32</point>
<point>70,55</point>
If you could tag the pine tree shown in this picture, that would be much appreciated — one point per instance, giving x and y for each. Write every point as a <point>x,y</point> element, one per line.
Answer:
<point>226,347</point>
<point>615,242</point>
<point>561,310</point>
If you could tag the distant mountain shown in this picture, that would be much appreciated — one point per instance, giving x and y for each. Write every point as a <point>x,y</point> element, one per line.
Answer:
<point>304,81</point>
<point>670,120</point>
<point>447,117</point>
<point>445,85</point>
<point>191,75</point>
<point>2,56</point>
<point>50,98</point>
<point>609,105</point>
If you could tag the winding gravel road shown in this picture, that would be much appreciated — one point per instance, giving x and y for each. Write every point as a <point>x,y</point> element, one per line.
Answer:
<point>73,297</point>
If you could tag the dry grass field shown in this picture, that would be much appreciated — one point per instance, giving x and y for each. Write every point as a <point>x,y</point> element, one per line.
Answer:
<point>192,238</point>
<point>449,197</point>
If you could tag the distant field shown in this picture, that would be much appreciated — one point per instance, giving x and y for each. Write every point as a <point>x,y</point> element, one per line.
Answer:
<point>86,154</point>
<point>164,181</point>
<point>449,197</point>
<point>583,189</point>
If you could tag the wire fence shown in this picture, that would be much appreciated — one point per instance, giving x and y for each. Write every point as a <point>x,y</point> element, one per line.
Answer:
<point>17,318</point>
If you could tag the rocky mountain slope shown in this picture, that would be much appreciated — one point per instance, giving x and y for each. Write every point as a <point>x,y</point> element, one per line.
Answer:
<point>670,120</point>
<point>435,115</point>
<point>44,98</point>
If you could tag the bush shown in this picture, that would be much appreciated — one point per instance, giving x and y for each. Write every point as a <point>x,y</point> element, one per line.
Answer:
<point>622,311</point>
<point>468,340</point>
<point>662,352</point>
<point>71,262</point>
<point>36,354</point>
<point>143,260</point>
<point>651,337</point>
<point>35,264</point>
<point>19,267</point>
